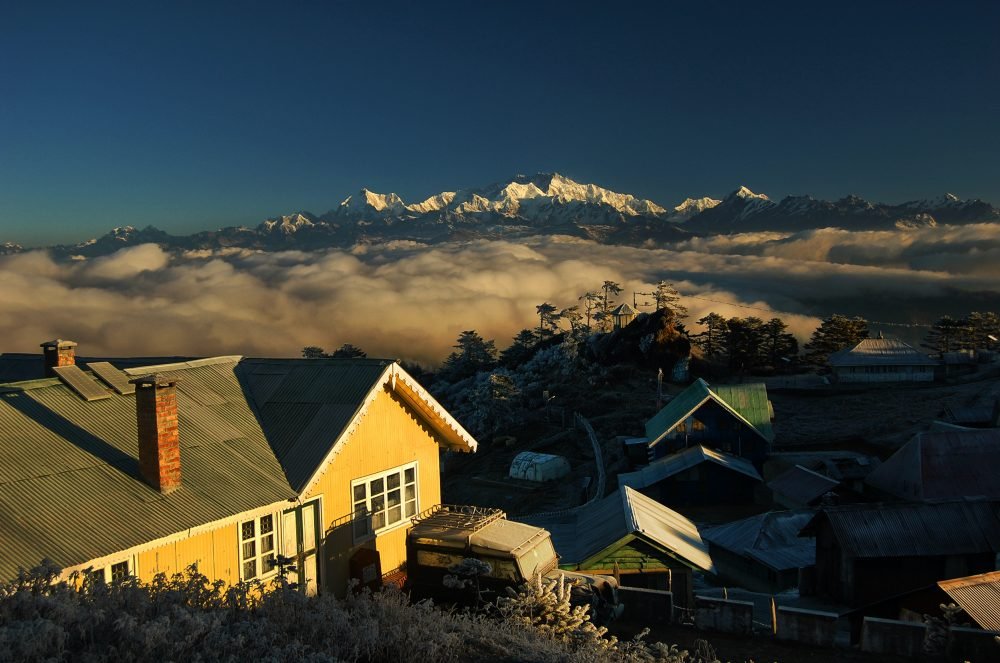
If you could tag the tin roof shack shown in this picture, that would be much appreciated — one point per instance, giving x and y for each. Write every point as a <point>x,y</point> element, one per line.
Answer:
<point>697,476</point>
<point>801,487</point>
<point>630,536</point>
<point>983,415</point>
<point>876,360</point>
<point>867,553</point>
<point>734,419</point>
<point>963,362</point>
<point>223,462</point>
<point>848,468</point>
<point>978,596</point>
<point>762,553</point>
<point>942,465</point>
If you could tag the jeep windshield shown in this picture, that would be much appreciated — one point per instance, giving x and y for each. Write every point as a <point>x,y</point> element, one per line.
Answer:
<point>541,558</point>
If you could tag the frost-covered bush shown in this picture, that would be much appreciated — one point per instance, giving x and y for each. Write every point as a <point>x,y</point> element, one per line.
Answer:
<point>188,618</point>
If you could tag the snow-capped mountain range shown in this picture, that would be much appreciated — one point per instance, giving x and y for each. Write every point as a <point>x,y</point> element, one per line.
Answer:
<point>546,204</point>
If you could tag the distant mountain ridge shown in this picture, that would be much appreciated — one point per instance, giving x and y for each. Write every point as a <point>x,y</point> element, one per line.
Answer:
<point>544,204</point>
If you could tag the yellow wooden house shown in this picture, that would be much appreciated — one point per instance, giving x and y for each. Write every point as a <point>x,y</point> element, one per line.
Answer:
<point>223,463</point>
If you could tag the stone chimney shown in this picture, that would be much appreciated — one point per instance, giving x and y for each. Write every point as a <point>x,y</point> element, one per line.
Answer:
<point>58,353</point>
<point>159,442</point>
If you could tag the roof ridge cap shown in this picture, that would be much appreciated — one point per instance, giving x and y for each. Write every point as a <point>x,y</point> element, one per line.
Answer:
<point>181,365</point>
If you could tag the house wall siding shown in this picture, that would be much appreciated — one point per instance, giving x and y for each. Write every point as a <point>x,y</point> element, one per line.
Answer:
<point>215,552</point>
<point>390,434</point>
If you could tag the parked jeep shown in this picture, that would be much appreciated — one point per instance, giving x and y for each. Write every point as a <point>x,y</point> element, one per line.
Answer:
<point>446,535</point>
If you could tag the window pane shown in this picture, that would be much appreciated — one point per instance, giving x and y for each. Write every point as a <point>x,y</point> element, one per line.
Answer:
<point>394,498</point>
<point>378,520</point>
<point>266,524</point>
<point>411,508</point>
<point>377,486</point>
<point>97,575</point>
<point>411,492</point>
<point>250,569</point>
<point>410,475</point>
<point>248,530</point>
<point>360,527</point>
<point>249,549</point>
<point>395,514</point>
<point>378,503</point>
<point>119,571</point>
<point>359,493</point>
<point>267,563</point>
<point>267,543</point>
<point>392,481</point>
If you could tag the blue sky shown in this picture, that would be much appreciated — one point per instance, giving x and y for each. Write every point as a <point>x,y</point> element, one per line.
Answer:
<point>187,116</point>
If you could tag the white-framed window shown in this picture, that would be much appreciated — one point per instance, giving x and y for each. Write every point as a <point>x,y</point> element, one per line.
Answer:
<point>382,501</point>
<point>112,572</point>
<point>258,541</point>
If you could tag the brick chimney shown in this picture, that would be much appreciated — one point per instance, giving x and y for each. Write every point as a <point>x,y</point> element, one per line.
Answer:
<point>58,353</point>
<point>159,443</point>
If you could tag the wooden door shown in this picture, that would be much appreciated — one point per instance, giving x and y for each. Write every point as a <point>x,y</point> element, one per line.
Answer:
<point>300,541</point>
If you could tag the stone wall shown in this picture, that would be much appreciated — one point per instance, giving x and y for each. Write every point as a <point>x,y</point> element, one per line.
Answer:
<point>891,636</point>
<point>810,627</point>
<point>723,615</point>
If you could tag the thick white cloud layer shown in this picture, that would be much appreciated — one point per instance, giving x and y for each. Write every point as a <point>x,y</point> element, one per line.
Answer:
<point>411,301</point>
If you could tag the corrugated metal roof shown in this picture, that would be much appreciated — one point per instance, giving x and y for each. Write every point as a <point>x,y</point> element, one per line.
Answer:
<point>582,533</point>
<point>770,538</point>
<point>748,402</point>
<point>881,352</point>
<point>304,405</point>
<point>971,414</point>
<point>801,485</point>
<point>979,596</point>
<point>943,464</point>
<point>70,488</point>
<point>957,527</point>
<point>668,466</point>
<point>751,401</point>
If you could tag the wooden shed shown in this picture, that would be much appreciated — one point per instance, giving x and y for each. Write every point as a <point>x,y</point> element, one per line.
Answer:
<point>633,537</point>
<point>866,553</point>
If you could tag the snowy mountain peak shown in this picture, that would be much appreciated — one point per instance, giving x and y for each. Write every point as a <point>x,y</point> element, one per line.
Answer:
<point>692,206</point>
<point>434,203</point>
<point>746,194</point>
<point>367,201</point>
<point>289,223</point>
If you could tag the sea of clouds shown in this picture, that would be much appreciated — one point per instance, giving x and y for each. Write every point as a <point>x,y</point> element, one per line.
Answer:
<point>410,301</point>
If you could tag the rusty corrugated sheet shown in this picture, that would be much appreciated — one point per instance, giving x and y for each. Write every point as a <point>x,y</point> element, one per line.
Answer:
<point>979,596</point>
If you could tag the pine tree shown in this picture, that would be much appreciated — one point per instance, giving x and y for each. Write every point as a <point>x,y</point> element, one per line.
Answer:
<point>591,305</point>
<point>610,289</point>
<point>744,343</point>
<point>834,333</point>
<point>778,343</point>
<point>711,341</point>
<point>666,296</point>
<point>474,354</point>
<point>520,350</point>
<point>980,327</point>
<point>348,351</point>
<point>946,335</point>
<point>548,320</point>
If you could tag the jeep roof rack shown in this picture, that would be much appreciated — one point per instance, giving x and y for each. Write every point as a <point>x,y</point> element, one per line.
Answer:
<point>461,517</point>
